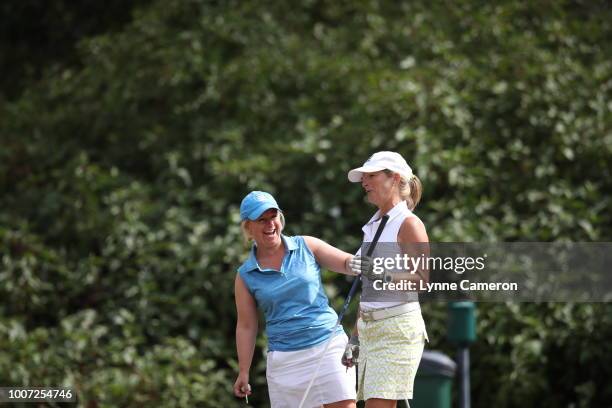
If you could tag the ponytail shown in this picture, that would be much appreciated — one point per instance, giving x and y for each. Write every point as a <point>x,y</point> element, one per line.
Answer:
<point>411,191</point>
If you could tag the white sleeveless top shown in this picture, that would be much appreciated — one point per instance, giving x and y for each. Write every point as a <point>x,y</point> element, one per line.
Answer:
<point>397,215</point>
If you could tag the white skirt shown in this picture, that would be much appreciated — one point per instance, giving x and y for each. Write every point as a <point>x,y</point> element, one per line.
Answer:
<point>290,372</point>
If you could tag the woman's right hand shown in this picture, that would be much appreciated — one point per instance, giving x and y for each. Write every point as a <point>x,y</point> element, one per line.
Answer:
<point>241,386</point>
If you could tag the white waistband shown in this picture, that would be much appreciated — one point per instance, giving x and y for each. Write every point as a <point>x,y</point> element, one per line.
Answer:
<point>379,314</point>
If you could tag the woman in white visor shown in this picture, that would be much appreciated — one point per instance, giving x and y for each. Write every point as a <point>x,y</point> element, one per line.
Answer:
<point>390,332</point>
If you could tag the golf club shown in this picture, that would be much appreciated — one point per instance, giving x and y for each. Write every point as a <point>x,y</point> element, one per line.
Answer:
<point>356,281</point>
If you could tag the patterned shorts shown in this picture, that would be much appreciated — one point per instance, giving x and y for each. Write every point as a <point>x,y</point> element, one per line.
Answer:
<point>389,355</point>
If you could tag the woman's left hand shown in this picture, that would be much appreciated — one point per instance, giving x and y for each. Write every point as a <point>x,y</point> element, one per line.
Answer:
<point>362,265</point>
<point>351,352</point>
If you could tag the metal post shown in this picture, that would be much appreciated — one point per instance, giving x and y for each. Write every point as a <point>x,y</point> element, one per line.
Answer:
<point>463,358</point>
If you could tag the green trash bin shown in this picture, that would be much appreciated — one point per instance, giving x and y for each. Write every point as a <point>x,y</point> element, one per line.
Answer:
<point>462,323</point>
<point>433,382</point>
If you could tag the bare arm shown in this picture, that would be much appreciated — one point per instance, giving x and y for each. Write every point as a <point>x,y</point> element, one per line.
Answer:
<point>329,256</point>
<point>246,333</point>
<point>414,242</point>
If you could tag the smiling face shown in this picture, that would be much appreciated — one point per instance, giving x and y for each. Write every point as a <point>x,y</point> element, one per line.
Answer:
<point>266,230</point>
<point>381,188</point>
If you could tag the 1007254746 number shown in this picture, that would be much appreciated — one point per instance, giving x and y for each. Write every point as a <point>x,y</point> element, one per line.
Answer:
<point>37,394</point>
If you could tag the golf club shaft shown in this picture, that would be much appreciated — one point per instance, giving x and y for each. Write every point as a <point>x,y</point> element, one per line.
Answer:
<point>369,253</point>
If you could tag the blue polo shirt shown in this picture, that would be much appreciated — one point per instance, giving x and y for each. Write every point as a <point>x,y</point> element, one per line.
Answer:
<point>296,308</point>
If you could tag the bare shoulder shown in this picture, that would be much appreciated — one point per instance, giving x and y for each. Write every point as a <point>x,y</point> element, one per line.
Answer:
<point>313,243</point>
<point>412,230</point>
<point>239,285</point>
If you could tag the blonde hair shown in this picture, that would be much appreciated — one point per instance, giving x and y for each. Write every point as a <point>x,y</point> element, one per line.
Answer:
<point>246,235</point>
<point>410,189</point>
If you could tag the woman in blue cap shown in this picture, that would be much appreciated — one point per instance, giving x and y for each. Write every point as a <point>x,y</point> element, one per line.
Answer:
<point>282,276</point>
<point>390,327</point>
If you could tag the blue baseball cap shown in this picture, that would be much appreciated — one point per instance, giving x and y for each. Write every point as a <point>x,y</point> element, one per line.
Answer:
<point>256,203</point>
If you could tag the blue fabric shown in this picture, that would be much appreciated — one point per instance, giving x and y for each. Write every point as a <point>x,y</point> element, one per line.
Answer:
<point>256,203</point>
<point>296,308</point>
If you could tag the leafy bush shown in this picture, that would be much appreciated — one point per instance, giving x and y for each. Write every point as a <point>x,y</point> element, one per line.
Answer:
<point>120,179</point>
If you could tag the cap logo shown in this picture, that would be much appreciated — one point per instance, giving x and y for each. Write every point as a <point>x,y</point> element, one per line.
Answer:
<point>259,197</point>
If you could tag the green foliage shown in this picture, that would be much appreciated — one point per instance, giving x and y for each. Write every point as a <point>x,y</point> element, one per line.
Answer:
<point>36,36</point>
<point>120,178</point>
<point>531,354</point>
